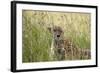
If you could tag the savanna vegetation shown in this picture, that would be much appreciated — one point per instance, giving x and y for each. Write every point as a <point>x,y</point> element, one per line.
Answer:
<point>36,39</point>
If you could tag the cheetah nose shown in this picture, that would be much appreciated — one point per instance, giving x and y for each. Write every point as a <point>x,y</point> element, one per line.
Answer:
<point>58,35</point>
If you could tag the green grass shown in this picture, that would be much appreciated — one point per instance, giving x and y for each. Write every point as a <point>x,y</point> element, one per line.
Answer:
<point>36,39</point>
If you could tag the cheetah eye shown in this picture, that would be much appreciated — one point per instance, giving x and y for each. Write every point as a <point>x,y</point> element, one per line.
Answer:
<point>54,30</point>
<point>60,30</point>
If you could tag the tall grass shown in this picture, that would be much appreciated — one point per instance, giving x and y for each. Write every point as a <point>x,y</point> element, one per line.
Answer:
<point>36,39</point>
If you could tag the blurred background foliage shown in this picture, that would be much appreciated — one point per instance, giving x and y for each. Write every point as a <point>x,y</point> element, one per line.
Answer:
<point>36,39</point>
